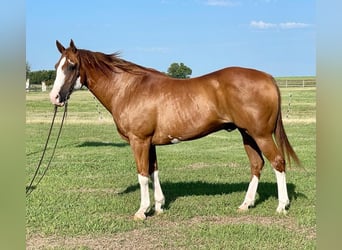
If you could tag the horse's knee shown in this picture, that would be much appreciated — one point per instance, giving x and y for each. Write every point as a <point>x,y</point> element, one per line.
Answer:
<point>256,168</point>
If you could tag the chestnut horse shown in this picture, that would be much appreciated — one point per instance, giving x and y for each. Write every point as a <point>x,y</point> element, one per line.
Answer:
<point>149,108</point>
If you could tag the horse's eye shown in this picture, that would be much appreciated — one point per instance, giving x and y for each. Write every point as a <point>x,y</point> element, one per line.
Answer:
<point>71,66</point>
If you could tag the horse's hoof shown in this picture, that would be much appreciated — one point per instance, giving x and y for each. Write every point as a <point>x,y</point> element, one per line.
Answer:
<point>281,210</point>
<point>242,210</point>
<point>243,207</point>
<point>159,211</point>
<point>139,216</point>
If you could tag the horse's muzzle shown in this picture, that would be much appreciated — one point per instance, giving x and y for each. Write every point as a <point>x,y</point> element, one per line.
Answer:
<point>57,99</point>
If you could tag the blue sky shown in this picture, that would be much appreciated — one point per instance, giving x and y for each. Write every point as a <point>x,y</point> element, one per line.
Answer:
<point>276,36</point>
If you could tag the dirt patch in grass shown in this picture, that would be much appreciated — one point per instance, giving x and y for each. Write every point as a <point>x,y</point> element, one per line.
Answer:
<point>287,223</point>
<point>199,165</point>
<point>160,234</point>
<point>203,165</point>
<point>299,120</point>
<point>96,190</point>
<point>81,120</point>
<point>136,239</point>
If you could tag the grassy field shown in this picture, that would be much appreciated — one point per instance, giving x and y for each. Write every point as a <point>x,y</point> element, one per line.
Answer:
<point>89,196</point>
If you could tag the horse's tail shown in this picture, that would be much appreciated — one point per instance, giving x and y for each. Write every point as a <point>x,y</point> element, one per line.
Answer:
<point>281,137</point>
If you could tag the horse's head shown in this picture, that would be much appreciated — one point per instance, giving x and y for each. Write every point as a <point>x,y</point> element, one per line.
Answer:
<point>67,74</point>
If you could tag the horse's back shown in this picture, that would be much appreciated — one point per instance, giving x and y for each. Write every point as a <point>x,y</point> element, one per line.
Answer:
<point>239,76</point>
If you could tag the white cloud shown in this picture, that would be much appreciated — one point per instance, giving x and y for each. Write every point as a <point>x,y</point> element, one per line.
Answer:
<point>262,25</point>
<point>222,3</point>
<point>293,25</point>
<point>287,25</point>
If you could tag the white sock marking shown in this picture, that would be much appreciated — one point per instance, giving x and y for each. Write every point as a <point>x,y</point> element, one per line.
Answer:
<point>282,191</point>
<point>158,193</point>
<point>250,195</point>
<point>144,193</point>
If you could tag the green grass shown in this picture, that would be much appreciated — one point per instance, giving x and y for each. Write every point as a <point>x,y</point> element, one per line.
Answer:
<point>90,194</point>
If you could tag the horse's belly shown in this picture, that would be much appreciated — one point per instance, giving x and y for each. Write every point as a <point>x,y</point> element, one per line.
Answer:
<point>184,132</point>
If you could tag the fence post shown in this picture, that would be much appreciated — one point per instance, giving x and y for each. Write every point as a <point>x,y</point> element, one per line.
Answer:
<point>303,83</point>
<point>27,85</point>
<point>43,86</point>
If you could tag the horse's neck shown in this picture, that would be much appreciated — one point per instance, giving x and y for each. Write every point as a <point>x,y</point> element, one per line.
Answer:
<point>109,90</point>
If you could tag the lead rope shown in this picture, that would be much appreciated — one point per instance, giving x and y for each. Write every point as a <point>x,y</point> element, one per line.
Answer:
<point>29,188</point>
<point>98,109</point>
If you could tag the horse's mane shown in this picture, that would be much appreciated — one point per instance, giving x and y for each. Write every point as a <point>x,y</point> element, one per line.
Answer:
<point>109,63</point>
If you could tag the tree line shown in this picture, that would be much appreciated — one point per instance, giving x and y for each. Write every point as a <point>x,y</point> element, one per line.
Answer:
<point>37,77</point>
<point>175,70</point>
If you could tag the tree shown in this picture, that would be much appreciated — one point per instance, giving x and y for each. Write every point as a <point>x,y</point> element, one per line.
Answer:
<point>36,77</point>
<point>28,69</point>
<point>179,70</point>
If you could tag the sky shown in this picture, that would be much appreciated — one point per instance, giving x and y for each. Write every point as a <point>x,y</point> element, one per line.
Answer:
<point>276,36</point>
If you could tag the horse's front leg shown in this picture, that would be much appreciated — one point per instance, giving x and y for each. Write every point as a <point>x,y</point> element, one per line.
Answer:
<point>140,150</point>
<point>158,193</point>
<point>144,198</point>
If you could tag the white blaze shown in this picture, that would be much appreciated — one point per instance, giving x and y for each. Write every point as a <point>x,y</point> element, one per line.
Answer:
<point>57,85</point>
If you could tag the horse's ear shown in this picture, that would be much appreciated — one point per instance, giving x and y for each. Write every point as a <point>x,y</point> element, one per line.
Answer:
<point>60,47</point>
<point>72,46</point>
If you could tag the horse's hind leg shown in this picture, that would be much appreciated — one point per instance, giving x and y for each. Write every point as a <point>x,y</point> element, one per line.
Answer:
<point>257,163</point>
<point>270,150</point>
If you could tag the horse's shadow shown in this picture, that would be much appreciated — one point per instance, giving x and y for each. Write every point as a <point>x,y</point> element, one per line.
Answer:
<point>174,190</point>
<point>102,144</point>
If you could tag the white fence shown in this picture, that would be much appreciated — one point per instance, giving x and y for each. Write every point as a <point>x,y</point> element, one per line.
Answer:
<point>296,83</point>
<point>38,87</point>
